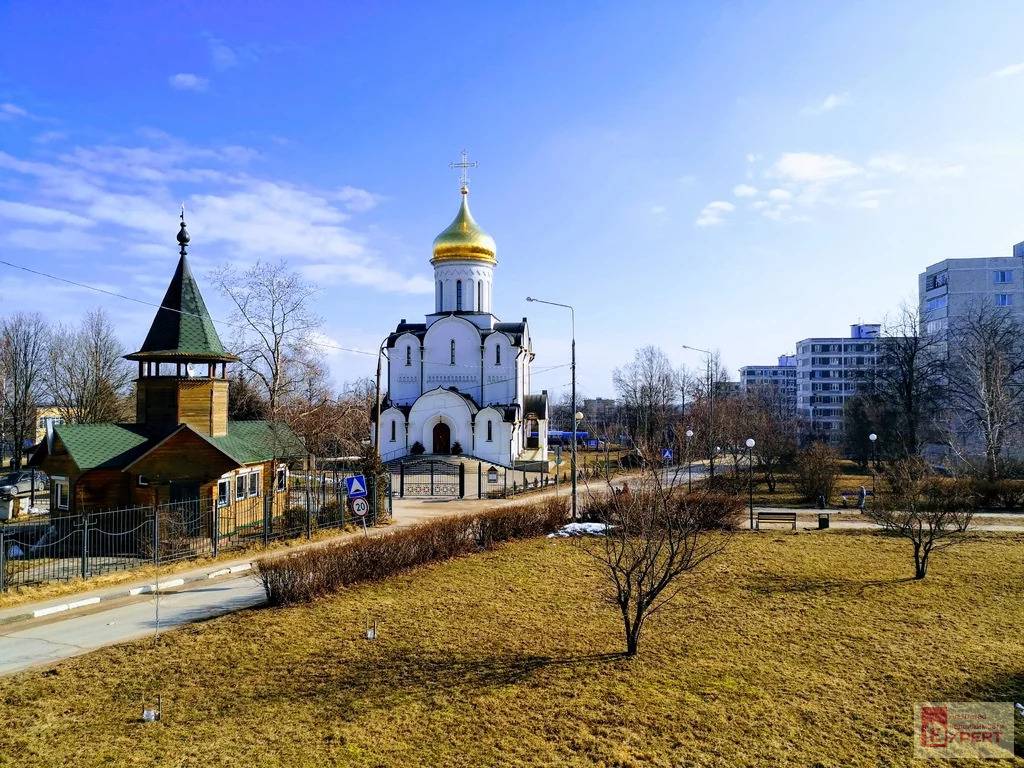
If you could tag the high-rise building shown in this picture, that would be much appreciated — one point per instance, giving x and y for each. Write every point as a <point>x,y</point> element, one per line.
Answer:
<point>831,370</point>
<point>949,289</point>
<point>779,379</point>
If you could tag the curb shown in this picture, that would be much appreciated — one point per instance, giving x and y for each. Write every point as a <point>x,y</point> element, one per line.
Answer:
<point>146,589</point>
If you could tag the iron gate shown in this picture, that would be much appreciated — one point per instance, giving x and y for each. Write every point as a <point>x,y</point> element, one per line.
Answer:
<point>430,477</point>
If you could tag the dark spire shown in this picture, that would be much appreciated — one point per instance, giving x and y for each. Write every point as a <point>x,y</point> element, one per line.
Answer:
<point>183,233</point>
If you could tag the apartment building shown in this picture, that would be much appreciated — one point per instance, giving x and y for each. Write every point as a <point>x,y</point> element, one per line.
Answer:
<point>949,289</point>
<point>780,378</point>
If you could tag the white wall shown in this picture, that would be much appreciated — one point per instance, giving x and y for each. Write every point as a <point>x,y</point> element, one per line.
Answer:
<point>470,273</point>
<point>404,385</point>
<point>438,371</point>
<point>499,380</point>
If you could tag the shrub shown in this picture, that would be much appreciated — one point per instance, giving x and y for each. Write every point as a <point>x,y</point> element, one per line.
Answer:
<point>704,511</point>
<point>331,514</point>
<point>305,575</point>
<point>716,511</point>
<point>417,449</point>
<point>294,518</point>
<point>456,448</point>
<point>817,470</point>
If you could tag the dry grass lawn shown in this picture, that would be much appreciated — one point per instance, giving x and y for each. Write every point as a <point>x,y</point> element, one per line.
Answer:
<point>802,649</point>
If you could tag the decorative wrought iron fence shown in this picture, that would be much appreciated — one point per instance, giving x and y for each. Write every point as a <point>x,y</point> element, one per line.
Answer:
<point>46,548</point>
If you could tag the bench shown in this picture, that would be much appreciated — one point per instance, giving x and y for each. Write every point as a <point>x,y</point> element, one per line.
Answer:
<point>776,517</point>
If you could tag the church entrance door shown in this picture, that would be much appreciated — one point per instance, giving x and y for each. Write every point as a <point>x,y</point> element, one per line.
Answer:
<point>442,438</point>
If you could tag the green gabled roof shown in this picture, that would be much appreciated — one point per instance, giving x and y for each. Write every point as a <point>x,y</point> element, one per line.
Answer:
<point>182,326</point>
<point>251,441</point>
<point>93,446</point>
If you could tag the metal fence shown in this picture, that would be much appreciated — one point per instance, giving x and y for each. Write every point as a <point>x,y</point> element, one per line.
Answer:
<point>63,547</point>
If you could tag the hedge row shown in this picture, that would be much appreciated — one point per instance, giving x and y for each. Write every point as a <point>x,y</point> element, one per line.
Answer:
<point>306,575</point>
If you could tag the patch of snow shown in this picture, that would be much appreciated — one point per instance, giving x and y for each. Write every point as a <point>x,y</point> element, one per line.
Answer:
<point>1020,709</point>
<point>580,529</point>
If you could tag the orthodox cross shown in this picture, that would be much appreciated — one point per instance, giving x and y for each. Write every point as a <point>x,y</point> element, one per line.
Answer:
<point>464,177</point>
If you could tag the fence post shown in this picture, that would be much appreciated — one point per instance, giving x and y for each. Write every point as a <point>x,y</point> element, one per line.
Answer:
<point>215,527</point>
<point>85,546</point>
<point>156,536</point>
<point>309,505</point>
<point>401,480</point>
<point>524,479</point>
<point>431,477</point>
<point>479,480</point>
<point>268,517</point>
<point>462,481</point>
<point>504,480</point>
<point>3,561</point>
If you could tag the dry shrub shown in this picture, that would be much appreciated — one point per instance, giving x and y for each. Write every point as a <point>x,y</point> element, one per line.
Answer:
<point>707,511</point>
<point>817,470</point>
<point>306,575</point>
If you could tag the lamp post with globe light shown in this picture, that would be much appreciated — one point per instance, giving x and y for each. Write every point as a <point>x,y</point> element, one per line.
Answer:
<point>874,464</point>
<point>750,477</point>
<point>689,462</point>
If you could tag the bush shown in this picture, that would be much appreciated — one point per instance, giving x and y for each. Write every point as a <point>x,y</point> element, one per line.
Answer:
<point>998,494</point>
<point>306,575</point>
<point>716,511</point>
<point>456,448</point>
<point>707,511</point>
<point>817,470</point>
<point>417,449</point>
<point>331,514</point>
<point>294,518</point>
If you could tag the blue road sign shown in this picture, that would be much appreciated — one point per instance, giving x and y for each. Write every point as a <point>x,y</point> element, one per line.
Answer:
<point>667,454</point>
<point>356,486</point>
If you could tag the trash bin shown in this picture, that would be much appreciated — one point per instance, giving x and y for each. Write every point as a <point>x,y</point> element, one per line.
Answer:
<point>822,522</point>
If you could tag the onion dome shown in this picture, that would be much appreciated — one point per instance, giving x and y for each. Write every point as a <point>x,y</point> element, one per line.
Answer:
<point>464,239</point>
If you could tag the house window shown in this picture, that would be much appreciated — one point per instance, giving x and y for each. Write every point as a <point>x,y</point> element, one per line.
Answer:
<point>282,479</point>
<point>223,493</point>
<point>142,481</point>
<point>453,352</point>
<point>939,302</point>
<point>931,282</point>
<point>408,355</point>
<point>240,486</point>
<point>254,483</point>
<point>458,295</point>
<point>1004,300</point>
<point>61,492</point>
<point>1001,276</point>
<point>392,431</point>
<point>490,430</point>
<point>497,355</point>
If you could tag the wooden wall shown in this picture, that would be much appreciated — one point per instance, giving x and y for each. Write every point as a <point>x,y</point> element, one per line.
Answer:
<point>200,403</point>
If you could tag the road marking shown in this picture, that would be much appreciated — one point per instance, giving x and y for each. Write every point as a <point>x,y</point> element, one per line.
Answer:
<point>171,583</point>
<point>239,568</point>
<point>141,590</point>
<point>221,572</point>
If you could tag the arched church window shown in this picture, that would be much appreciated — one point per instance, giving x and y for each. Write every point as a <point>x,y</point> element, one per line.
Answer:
<point>408,355</point>
<point>453,352</point>
<point>392,431</point>
<point>490,430</point>
<point>497,354</point>
<point>440,295</point>
<point>458,295</point>
<point>479,296</point>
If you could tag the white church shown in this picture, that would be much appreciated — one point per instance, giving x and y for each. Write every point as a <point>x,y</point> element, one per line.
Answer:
<point>460,382</point>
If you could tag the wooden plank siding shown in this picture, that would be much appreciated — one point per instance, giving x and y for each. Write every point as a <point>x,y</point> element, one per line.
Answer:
<point>200,403</point>
<point>184,457</point>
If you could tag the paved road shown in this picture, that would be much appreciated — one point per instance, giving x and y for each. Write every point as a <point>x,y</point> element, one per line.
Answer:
<point>46,641</point>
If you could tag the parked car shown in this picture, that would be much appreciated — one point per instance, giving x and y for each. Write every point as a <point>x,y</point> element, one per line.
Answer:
<point>18,483</point>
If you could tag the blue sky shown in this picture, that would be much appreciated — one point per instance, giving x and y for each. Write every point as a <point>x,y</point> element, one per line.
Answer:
<point>735,176</point>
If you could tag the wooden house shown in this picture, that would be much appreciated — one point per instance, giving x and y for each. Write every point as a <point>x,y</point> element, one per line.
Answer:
<point>182,447</point>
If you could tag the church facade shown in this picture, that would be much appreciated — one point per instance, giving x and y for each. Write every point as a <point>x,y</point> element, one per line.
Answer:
<point>460,381</point>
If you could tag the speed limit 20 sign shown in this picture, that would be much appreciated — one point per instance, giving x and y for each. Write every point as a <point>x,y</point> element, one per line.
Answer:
<point>360,507</point>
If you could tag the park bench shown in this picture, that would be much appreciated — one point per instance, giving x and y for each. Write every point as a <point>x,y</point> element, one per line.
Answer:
<point>776,517</point>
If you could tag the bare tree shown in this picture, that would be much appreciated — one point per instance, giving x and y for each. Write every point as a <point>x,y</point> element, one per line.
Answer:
<point>648,391</point>
<point>707,391</point>
<point>654,536</point>
<point>908,383</point>
<point>23,342</point>
<point>277,327</point>
<point>89,379</point>
<point>774,429</point>
<point>928,512</point>
<point>986,380</point>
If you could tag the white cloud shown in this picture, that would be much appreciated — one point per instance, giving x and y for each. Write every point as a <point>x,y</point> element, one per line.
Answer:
<point>183,81</point>
<point>658,210</point>
<point>831,101</point>
<point>811,167</point>
<point>10,111</point>
<point>49,136</point>
<point>35,214</point>
<point>358,200</point>
<point>713,213</point>
<point>1013,69</point>
<point>744,190</point>
<point>688,179</point>
<point>759,205</point>
<point>780,194</point>
<point>224,57</point>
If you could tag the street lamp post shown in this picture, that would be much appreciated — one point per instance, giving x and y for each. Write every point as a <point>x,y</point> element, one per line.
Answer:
<point>874,462</point>
<point>576,415</point>
<point>750,477</point>
<point>711,413</point>
<point>376,425</point>
<point>689,462</point>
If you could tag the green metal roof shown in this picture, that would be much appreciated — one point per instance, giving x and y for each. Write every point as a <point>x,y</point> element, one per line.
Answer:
<point>251,441</point>
<point>93,446</point>
<point>103,445</point>
<point>182,326</point>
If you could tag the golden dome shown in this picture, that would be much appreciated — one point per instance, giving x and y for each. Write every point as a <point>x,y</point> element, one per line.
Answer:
<point>463,239</point>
